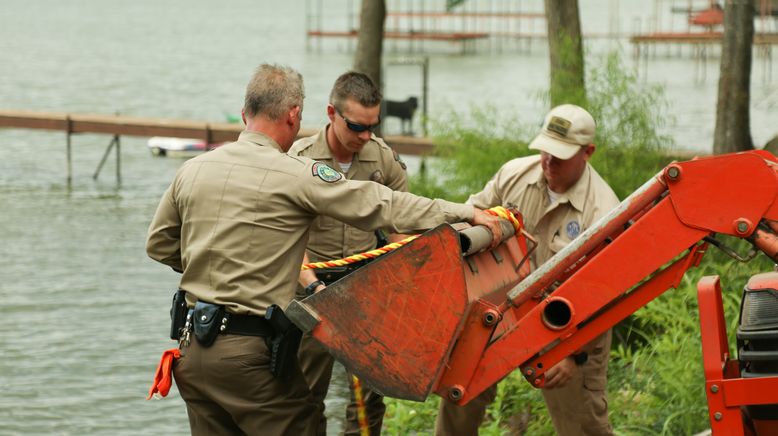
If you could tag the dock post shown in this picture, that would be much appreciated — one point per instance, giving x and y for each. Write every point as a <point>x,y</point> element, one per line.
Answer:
<point>69,126</point>
<point>114,141</point>
<point>118,161</point>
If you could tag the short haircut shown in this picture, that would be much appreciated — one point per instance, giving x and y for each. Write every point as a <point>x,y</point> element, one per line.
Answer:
<point>355,86</point>
<point>273,90</point>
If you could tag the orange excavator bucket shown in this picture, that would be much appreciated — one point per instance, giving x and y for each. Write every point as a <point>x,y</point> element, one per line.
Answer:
<point>395,321</point>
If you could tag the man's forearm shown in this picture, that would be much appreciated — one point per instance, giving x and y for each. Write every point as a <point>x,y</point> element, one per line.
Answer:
<point>306,276</point>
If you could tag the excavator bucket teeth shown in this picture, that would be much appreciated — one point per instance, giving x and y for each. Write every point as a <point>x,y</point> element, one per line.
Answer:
<point>395,321</point>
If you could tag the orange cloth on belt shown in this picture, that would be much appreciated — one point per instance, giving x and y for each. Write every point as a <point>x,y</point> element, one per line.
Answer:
<point>163,378</point>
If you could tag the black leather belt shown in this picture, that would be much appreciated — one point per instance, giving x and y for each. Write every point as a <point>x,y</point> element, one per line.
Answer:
<point>247,325</point>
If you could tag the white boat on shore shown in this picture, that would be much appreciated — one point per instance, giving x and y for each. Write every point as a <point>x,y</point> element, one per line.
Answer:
<point>178,147</point>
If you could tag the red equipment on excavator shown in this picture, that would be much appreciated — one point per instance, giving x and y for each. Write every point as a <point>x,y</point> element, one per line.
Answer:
<point>435,316</point>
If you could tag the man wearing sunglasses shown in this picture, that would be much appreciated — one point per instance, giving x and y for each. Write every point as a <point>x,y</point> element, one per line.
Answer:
<point>348,145</point>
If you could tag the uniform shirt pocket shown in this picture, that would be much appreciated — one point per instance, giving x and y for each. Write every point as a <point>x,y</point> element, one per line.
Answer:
<point>557,243</point>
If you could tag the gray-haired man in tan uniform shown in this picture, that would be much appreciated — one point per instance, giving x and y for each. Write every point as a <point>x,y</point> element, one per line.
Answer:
<point>348,145</point>
<point>235,223</point>
<point>560,195</point>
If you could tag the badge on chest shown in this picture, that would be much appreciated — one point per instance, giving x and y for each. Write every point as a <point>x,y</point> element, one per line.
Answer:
<point>573,229</point>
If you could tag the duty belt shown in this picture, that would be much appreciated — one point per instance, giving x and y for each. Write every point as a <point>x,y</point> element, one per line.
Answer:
<point>245,325</point>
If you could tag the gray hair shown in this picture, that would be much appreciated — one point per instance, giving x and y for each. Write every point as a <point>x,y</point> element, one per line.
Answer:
<point>273,90</point>
<point>355,86</point>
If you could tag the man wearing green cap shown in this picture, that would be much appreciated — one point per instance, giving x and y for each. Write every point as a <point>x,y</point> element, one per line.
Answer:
<point>559,195</point>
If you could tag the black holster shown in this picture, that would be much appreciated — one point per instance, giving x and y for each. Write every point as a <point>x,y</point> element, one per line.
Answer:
<point>208,319</point>
<point>332,274</point>
<point>283,344</point>
<point>178,314</point>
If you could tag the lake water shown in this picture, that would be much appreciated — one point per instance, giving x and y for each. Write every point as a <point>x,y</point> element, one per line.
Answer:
<point>85,312</point>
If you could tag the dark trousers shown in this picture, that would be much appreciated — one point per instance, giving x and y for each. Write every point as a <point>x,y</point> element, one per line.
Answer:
<point>316,364</point>
<point>228,389</point>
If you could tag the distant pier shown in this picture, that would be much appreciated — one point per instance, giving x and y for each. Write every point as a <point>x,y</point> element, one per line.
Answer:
<point>409,25</point>
<point>73,123</point>
<point>698,38</point>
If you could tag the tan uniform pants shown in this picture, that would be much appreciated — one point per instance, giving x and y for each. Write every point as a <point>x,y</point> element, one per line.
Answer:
<point>316,365</point>
<point>228,389</point>
<point>578,408</point>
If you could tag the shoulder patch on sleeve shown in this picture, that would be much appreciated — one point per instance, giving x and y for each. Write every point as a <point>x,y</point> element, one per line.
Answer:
<point>325,172</point>
<point>400,161</point>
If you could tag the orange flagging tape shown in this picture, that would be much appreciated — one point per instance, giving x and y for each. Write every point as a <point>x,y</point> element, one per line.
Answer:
<point>163,378</point>
<point>506,215</point>
<point>364,429</point>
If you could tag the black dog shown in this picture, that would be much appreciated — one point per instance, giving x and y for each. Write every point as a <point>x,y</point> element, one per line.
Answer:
<point>403,110</point>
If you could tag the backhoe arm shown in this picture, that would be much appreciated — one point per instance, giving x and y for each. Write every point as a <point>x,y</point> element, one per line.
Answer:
<point>589,286</point>
<point>431,317</point>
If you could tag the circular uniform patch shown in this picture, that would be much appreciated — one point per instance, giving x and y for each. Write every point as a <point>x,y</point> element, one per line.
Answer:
<point>377,176</point>
<point>573,229</point>
<point>325,172</point>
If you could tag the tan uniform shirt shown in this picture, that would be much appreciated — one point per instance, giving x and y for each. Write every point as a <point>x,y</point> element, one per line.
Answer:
<point>520,184</point>
<point>377,162</point>
<point>235,220</point>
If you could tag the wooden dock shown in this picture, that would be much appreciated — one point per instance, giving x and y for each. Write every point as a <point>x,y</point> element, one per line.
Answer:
<point>760,39</point>
<point>432,36</point>
<point>466,14</point>
<point>466,40</point>
<point>135,126</point>
<point>117,126</point>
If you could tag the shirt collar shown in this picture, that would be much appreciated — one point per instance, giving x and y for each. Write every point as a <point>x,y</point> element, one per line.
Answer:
<point>321,150</point>
<point>576,195</point>
<point>259,138</point>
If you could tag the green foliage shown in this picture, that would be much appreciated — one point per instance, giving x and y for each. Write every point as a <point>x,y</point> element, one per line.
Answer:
<point>409,417</point>
<point>451,4</point>
<point>469,156</point>
<point>631,147</point>
<point>517,406</point>
<point>631,117</point>
<point>659,388</point>
<point>656,383</point>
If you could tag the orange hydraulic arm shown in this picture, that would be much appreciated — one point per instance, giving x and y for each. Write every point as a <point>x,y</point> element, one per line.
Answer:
<point>629,257</point>
<point>665,220</point>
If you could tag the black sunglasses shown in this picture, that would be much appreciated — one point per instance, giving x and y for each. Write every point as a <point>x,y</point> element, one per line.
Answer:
<point>356,127</point>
